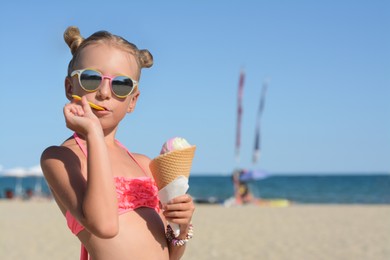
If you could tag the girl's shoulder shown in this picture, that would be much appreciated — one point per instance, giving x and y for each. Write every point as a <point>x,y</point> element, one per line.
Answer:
<point>143,160</point>
<point>141,157</point>
<point>68,153</point>
<point>61,152</point>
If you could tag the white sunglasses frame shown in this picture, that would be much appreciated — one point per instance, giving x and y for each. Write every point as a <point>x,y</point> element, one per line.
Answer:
<point>79,72</point>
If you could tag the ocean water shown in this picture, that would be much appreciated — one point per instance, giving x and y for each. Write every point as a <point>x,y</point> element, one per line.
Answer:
<point>342,189</point>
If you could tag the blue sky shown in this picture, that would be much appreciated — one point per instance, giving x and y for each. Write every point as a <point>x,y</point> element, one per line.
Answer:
<point>327,107</point>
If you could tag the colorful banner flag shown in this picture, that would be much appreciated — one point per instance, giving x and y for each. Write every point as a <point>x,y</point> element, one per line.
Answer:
<point>257,146</point>
<point>239,113</point>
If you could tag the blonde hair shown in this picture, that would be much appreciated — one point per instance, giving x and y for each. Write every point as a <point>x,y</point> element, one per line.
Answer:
<point>76,43</point>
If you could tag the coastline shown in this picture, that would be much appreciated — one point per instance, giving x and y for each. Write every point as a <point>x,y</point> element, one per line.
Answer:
<point>36,229</point>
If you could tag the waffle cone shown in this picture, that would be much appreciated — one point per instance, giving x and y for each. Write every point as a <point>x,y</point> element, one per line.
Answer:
<point>167,167</point>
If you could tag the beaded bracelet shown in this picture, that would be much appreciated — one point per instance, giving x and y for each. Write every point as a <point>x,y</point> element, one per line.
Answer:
<point>178,242</point>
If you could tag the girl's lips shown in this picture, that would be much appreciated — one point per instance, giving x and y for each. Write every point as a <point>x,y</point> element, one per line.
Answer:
<point>94,106</point>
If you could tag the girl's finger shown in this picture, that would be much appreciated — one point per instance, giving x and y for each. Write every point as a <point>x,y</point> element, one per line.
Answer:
<point>177,214</point>
<point>180,221</point>
<point>181,199</point>
<point>85,104</point>
<point>179,207</point>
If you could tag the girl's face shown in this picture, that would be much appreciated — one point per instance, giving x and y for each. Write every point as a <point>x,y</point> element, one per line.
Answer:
<point>111,61</point>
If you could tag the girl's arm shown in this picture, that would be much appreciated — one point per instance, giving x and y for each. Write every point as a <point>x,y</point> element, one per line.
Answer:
<point>99,208</point>
<point>93,203</point>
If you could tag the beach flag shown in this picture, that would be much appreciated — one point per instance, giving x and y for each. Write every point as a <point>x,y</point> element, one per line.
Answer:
<point>257,144</point>
<point>239,113</point>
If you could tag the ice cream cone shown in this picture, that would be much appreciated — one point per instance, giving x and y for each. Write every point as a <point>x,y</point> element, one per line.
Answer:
<point>168,166</point>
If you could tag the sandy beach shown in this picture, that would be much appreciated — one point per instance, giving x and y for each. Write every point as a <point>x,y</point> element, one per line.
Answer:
<point>37,230</point>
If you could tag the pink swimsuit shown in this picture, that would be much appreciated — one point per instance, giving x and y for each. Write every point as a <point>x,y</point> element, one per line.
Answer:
<point>132,193</point>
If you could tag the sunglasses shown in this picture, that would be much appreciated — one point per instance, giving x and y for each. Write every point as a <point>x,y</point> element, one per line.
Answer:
<point>90,80</point>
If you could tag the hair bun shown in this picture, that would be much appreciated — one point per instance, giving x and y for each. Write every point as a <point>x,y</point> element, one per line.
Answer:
<point>145,58</point>
<point>73,38</point>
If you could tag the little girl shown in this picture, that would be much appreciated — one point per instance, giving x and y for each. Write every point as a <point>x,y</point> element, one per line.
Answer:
<point>106,193</point>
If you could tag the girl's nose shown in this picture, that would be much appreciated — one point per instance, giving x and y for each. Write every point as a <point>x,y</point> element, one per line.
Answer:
<point>104,90</point>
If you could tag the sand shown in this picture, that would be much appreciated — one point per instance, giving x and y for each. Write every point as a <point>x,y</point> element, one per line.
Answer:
<point>37,230</point>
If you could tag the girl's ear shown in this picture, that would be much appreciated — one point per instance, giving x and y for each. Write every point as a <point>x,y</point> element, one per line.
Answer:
<point>68,88</point>
<point>133,102</point>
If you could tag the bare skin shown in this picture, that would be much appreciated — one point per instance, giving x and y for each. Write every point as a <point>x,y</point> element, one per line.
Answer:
<point>84,186</point>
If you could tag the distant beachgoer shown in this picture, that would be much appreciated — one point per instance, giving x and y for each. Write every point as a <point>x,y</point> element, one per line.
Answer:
<point>29,194</point>
<point>107,194</point>
<point>242,193</point>
<point>9,194</point>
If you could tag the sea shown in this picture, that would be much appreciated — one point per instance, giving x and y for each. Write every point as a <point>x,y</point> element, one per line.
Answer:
<point>214,188</point>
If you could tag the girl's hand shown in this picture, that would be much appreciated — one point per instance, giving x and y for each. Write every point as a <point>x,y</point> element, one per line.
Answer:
<point>80,118</point>
<point>180,210</point>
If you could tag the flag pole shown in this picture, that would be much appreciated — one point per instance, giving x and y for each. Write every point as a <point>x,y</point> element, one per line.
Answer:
<point>257,143</point>
<point>239,113</point>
